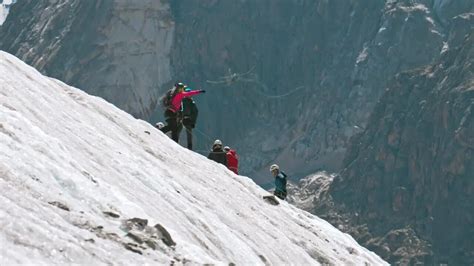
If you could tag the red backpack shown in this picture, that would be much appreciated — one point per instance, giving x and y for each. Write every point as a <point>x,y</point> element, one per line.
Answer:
<point>168,97</point>
<point>233,161</point>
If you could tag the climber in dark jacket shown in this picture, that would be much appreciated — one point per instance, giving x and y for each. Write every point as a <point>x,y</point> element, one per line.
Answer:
<point>189,114</point>
<point>218,154</point>
<point>172,102</point>
<point>280,181</point>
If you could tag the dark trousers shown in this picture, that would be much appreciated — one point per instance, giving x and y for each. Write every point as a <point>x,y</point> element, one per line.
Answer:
<point>172,125</point>
<point>189,132</point>
<point>280,194</point>
<point>189,136</point>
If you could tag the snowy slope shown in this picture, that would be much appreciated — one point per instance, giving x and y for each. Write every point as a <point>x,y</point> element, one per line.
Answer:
<point>67,159</point>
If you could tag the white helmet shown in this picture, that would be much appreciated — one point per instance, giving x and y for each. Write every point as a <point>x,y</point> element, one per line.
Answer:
<point>217,142</point>
<point>226,148</point>
<point>274,167</point>
<point>160,125</point>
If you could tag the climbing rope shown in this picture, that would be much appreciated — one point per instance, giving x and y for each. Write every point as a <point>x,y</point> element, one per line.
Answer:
<point>203,134</point>
<point>232,78</point>
<point>279,95</point>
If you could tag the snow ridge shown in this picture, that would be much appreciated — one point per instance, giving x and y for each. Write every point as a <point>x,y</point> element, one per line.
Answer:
<point>74,171</point>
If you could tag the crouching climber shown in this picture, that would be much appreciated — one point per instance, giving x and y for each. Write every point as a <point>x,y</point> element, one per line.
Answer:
<point>217,154</point>
<point>280,181</point>
<point>232,159</point>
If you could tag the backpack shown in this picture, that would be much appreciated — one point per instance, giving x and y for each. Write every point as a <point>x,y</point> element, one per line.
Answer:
<point>168,98</point>
<point>190,110</point>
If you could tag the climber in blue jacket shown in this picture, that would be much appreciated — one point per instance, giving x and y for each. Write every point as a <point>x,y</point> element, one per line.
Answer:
<point>280,181</point>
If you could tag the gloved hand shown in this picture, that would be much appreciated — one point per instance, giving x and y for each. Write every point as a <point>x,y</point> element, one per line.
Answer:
<point>203,91</point>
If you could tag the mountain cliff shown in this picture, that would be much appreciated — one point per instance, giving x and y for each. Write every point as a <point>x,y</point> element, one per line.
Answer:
<point>414,164</point>
<point>117,49</point>
<point>406,190</point>
<point>292,80</point>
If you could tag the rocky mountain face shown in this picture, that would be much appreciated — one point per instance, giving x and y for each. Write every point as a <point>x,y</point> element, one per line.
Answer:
<point>303,83</point>
<point>329,60</point>
<point>118,49</point>
<point>288,81</point>
<point>407,188</point>
<point>414,165</point>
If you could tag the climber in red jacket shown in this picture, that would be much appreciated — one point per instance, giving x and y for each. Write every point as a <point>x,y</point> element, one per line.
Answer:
<point>232,160</point>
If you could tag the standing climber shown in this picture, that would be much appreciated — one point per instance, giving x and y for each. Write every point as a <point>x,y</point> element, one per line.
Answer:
<point>189,114</point>
<point>232,160</point>
<point>172,102</point>
<point>280,181</point>
<point>217,154</point>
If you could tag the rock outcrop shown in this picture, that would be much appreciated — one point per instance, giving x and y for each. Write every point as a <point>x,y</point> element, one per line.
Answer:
<point>414,164</point>
<point>406,190</point>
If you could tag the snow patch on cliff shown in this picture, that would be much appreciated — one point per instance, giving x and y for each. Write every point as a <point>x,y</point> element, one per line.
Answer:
<point>5,9</point>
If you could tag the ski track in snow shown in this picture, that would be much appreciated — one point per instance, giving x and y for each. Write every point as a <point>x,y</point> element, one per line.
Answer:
<point>59,144</point>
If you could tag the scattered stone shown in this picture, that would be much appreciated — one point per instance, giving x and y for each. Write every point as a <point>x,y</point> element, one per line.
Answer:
<point>323,260</point>
<point>165,236</point>
<point>137,237</point>
<point>111,214</point>
<point>147,132</point>
<point>132,244</point>
<point>112,236</point>
<point>35,178</point>
<point>263,259</point>
<point>89,176</point>
<point>135,223</point>
<point>60,205</point>
<point>91,240</point>
<point>133,248</point>
<point>352,250</point>
<point>152,244</point>
<point>271,199</point>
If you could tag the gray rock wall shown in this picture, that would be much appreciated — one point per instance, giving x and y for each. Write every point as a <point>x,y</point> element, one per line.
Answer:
<point>341,52</point>
<point>307,73</point>
<point>414,164</point>
<point>118,49</point>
